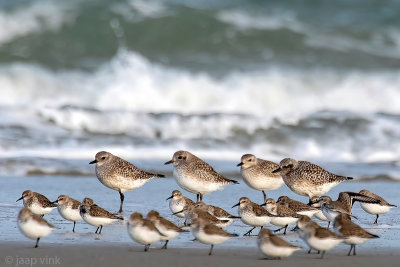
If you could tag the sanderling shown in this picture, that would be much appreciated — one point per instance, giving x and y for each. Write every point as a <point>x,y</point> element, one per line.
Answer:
<point>285,215</point>
<point>143,230</point>
<point>178,202</point>
<point>375,208</point>
<point>209,233</point>
<point>257,173</point>
<point>119,174</point>
<point>168,229</point>
<point>273,246</point>
<point>307,179</point>
<point>33,226</point>
<point>196,176</point>
<point>353,233</point>
<point>69,209</point>
<point>297,206</point>
<point>37,203</point>
<point>252,214</point>
<point>95,215</point>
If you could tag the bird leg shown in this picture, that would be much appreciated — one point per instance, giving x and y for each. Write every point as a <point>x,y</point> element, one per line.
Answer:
<point>37,242</point>
<point>284,227</point>
<point>249,232</point>
<point>101,228</point>
<point>211,249</point>
<point>97,229</point>
<point>146,247</point>
<point>264,195</point>
<point>322,254</point>
<point>201,196</point>
<point>165,245</point>
<point>122,197</point>
<point>329,223</point>
<point>73,228</point>
<point>376,220</point>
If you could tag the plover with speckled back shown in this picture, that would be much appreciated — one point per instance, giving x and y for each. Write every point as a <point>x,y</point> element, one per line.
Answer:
<point>143,230</point>
<point>284,215</point>
<point>178,202</point>
<point>354,234</point>
<point>257,173</point>
<point>375,208</point>
<point>119,174</point>
<point>37,203</point>
<point>33,226</point>
<point>196,176</point>
<point>167,228</point>
<point>252,214</point>
<point>95,215</point>
<point>307,179</point>
<point>273,246</point>
<point>69,209</point>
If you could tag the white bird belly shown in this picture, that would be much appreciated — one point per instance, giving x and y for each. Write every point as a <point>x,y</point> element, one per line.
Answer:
<point>70,214</point>
<point>323,244</point>
<point>271,250</point>
<point>209,239</point>
<point>97,221</point>
<point>34,230</point>
<point>143,235</point>
<point>283,221</point>
<point>39,210</point>
<point>195,185</point>
<point>254,220</point>
<point>374,208</point>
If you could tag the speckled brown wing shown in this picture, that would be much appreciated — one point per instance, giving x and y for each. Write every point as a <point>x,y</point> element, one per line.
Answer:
<point>267,166</point>
<point>100,212</point>
<point>188,201</point>
<point>207,173</point>
<point>277,241</point>
<point>44,200</point>
<point>127,169</point>
<point>75,203</point>
<point>325,233</point>
<point>285,211</point>
<point>348,228</point>
<point>298,206</point>
<point>211,229</point>
<point>258,210</point>
<point>317,174</point>
<point>218,212</point>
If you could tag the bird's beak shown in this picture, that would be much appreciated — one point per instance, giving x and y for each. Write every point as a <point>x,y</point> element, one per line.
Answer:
<point>236,205</point>
<point>277,170</point>
<point>19,199</point>
<point>239,164</point>
<point>93,162</point>
<point>262,205</point>
<point>170,197</point>
<point>55,201</point>
<point>169,162</point>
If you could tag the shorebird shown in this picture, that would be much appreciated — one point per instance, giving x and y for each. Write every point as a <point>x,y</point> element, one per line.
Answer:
<point>307,179</point>
<point>284,215</point>
<point>33,226</point>
<point>257,173</point>
<point>297,206</point>
<point>343,204</point>
<point>375,208</point>
<point>168,229</point>
<point>353,233</point>
<point>301,224</point>
<point>178,202</point>
<point>68,209</point>
<point>209,233</point>
<point>95,215</point>
<point>192,213</point>
<point>37,203</point>
<point>217,212</point>
<point>143,230</point>
<point>196,176</point>
<point>318,238</point>
<point>314,202</point>
<point>252,214</point>
<point>119,174</point>
<point>273,246</point>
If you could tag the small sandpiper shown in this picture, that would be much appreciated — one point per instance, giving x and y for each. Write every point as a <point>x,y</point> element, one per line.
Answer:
<point>318,238</point>
<point>257,173</point>
<point>119,174</point>
<point>343,204</point>
<point>33,226</point>
<point>301,224</point>
<point>168,229</point>
<point>209,233</point>
<point>217,212</point>
<point>178,202</point>
<point>273,246</point>
<point>353,233</point>
<point>95,215</point>
<point>196,176</point>
<point>252,214</point>
<point>297,206</point>
<point>284,215</point>
<point>69,209</point>
<point>37,203</point>
<point>143,230</point>
<point>375,208</point>
<point>192,213</point>
<point>307,179</point>
<point>314,202</point>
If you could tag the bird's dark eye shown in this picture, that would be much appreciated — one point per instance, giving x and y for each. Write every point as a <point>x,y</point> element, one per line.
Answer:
<point>249,160</point>
<point>180,157</point>
<point>103,157</point>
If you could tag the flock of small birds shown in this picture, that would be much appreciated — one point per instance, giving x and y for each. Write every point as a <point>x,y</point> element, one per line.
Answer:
<point>206,222</point>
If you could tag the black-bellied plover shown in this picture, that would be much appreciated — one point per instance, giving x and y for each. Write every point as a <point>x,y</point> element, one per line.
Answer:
<point>95,215</point>
<point>37,203</point>
<point>119,174</point>
<point>273,246</point>
<point>297,206</point>
<point>178,202</point>
<point>353,234</point>
<point>33,226</point>
<point>143,230</point>
<point>307,179</point>
<point>318,238</point>
<point>375,208</point>
<point>284,215</point>
<point>252,214</point>
<point>343,204</point>
<point>217,212</point>
<point>167,228</point>
<point>209,233</point>
<point>196,176</point>
<point>69,209</point>
<point>257,173</point>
